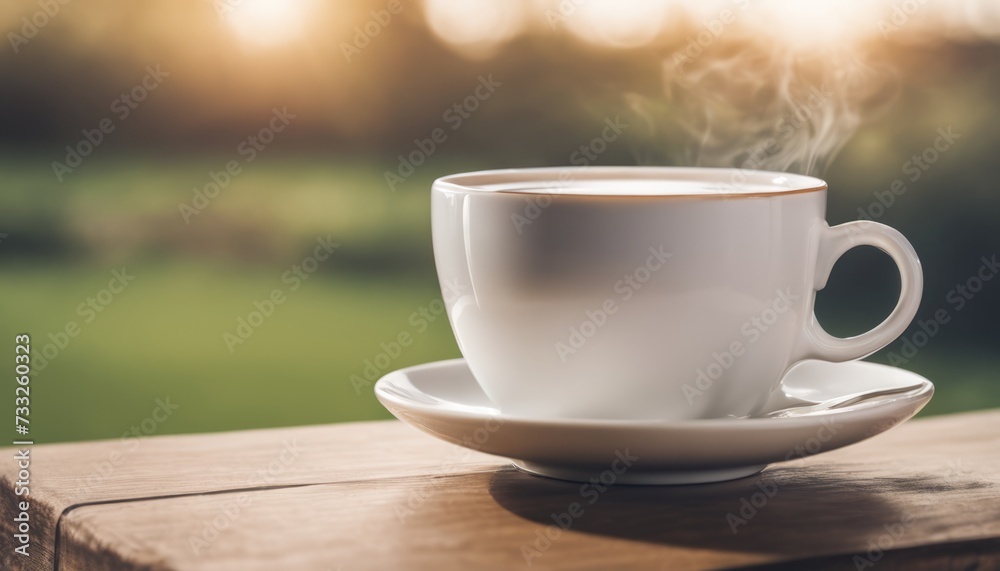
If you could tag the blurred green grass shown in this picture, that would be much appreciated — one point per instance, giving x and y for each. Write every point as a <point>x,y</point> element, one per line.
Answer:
<point>162,337</point>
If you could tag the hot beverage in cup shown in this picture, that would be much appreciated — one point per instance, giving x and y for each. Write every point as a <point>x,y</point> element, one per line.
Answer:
<point>646,293</point>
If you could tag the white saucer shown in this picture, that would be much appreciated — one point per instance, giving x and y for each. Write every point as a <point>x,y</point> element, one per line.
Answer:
<point>444,400</point>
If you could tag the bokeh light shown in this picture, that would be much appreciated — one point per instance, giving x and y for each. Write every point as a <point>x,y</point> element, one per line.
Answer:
<point>266,22</point>
<point>617,23</point>
<point>817,23</point>
<point>475,28</point>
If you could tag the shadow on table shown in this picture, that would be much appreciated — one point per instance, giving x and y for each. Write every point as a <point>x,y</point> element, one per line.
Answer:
<point>785,510</point>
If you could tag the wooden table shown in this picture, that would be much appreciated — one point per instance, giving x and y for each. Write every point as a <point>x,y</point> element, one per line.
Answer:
<point>380,495</point>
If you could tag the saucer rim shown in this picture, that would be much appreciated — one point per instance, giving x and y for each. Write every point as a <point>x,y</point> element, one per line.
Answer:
<point>459,411</point>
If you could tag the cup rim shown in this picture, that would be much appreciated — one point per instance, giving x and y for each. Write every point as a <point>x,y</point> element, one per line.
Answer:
<point>733,182</point>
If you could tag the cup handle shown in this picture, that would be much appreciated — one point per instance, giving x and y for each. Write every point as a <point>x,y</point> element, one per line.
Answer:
<point>816,343</point>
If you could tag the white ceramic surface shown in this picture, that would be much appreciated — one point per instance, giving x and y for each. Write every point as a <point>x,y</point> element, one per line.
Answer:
<point>645,292</point>
<point>444,400</point>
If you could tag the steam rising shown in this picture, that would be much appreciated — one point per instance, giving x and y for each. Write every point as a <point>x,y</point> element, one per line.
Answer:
<point>758,105</point>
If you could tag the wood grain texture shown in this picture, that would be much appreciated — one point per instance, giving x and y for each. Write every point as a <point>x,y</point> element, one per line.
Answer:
<point>64,476</point>
<point>926,493</point>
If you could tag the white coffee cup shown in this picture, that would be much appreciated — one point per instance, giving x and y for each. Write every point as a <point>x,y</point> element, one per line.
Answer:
<point>645,292</point>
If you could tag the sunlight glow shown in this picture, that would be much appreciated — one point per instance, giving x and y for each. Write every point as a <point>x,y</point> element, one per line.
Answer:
<point>618,23</point>
<point>267,22</point>
<point>480,26</point>
<point>816,23</point>
<point>475,27</point>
